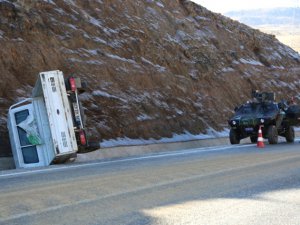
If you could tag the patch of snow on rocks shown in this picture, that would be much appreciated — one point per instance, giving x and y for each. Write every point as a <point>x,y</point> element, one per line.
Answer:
<point>106,95</point>
<point>144,117</point>
<point>251,62</point>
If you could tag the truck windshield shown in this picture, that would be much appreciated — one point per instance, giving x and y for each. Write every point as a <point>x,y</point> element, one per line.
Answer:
<point>29,151</point>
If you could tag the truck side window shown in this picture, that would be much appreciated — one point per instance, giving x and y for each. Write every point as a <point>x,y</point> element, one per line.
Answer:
<point>29,151</point>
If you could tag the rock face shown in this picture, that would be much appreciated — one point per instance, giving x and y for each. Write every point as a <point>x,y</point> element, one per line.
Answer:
<point>154,67</point>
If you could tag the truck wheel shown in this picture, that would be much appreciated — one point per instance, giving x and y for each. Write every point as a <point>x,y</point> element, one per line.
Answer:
<point>272,135</point>
<point>290,134</point>
<point>234,137</point>
<point>253,139</point>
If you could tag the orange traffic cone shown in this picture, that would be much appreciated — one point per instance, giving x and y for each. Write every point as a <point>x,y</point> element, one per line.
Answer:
<point>260,139</point>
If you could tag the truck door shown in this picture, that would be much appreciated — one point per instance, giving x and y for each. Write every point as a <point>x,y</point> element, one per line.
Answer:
<point>27,152</point>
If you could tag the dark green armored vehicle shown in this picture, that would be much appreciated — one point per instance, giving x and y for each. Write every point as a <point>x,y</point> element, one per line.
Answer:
<point>262,111</point>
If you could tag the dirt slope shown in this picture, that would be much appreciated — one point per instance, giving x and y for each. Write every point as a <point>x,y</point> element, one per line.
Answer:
<point>154,68</point>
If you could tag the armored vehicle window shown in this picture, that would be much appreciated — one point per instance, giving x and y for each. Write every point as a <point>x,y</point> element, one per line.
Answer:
<point>268,108</point>
<point>246,109</point>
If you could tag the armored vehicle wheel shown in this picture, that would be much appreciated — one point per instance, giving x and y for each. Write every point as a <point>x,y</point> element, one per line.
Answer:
<point>272,135</point>
<point>234,137</point>
<point>290,134</point>
<point>253,139</point>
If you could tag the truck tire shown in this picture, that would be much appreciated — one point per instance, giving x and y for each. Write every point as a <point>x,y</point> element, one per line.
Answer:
<point>290,134</point>
<point>83,87</point>
<point>272,135</point>
<point>253,139</point>
<point>92,146</point>
<point>234,137</point>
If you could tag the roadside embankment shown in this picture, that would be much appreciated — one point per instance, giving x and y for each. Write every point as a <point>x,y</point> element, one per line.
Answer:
<point>127,151</point>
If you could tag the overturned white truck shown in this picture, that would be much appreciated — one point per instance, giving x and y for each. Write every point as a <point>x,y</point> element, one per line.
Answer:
<point>48,127</point>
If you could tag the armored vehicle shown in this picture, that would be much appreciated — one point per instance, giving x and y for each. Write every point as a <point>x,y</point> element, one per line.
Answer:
<point>274,118</point>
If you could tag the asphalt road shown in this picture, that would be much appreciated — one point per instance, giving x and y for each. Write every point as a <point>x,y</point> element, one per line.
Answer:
<point>222,185</point>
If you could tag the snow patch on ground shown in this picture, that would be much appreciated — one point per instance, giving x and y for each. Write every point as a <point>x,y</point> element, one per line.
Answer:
<point>251,62</point>
<point>60,11</point>
<point>227,70</point>
<point>17,39</point>
<point>121,59</point>
<point>202,18</point>
<point>95,22</point>
<point>94,62</point>
<point>50,2</point>
<point>160,4</point>
<point>152,12</point>
<point>157,67</point>
<point>140,97</point>
<point>275,56</point>
<point>194,74</point>
<point>102,94</point>
<point>178,111</point>
<point>181,35</point>
<point>211,133</point>
<point>70,26</point>
<point>70,2</point>
<point>278,67</point>
<point>284,50</point>
<point>86,96</point>
<point>106,95</point>
<point>144,117</point>
<point>160,104</point>
<point>92,52</point>
<point>98,40</point>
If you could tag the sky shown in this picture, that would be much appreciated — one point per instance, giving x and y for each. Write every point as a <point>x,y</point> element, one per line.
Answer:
<point>220,6</point>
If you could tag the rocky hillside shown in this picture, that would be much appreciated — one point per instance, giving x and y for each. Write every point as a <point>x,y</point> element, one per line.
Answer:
<point>154,67</point>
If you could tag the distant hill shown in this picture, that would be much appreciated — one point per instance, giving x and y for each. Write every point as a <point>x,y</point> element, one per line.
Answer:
<point>284,23</point>
<point>275,16</point>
